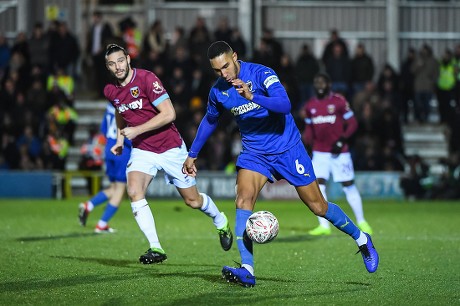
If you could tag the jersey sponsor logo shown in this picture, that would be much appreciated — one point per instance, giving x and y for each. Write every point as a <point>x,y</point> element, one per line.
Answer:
<point>157,88</point>
<point>133,105</point>
<point>270,81</point>
<point>134,91</point>
<point>324,119</point>
<point>242,109</point>
<point>331,108</point>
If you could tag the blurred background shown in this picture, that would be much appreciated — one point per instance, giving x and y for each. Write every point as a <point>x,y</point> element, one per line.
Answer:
<point>397,63</point>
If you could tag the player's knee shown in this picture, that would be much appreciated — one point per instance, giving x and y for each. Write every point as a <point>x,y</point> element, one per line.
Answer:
<point>135,194</point>
<point>245,202</point>
<point>319,208</point>
<point>192,202</point>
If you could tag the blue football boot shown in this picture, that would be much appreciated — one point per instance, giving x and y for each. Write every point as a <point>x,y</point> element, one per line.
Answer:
<point>370,255</point>
<point>240,276</point>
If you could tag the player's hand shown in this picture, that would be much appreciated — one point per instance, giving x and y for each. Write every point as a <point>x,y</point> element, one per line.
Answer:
<point>338,146</point>
<point>116,149</point>
<point>129,132</point>
<point>189,167</point>
<point>243,89</point>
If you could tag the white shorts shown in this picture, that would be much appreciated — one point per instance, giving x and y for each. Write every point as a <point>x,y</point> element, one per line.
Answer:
<point>170,162</point>
<point>340,166</point>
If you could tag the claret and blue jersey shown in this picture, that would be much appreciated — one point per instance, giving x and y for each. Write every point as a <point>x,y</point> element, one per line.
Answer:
<point>262,131</point>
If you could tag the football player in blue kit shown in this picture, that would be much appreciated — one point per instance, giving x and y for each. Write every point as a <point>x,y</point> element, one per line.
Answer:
<point>116,171</point>
<point>272,150</point>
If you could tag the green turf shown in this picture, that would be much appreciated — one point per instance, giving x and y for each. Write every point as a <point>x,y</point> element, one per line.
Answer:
<point>47,258</point>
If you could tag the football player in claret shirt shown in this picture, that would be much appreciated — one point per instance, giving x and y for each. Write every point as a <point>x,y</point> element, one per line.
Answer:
<point>145,115</point>
<point>329,123</point>
<point>272,150</point>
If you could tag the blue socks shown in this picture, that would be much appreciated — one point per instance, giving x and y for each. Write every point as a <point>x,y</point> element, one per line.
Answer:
<point>243,242</point>
<point>336,216</point>
<point>109,211</point>
<point>99,198</point>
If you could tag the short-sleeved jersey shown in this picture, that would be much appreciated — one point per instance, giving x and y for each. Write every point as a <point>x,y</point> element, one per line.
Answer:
<point>136,102</point>
<point>327,118</point>
<point>262,131</point>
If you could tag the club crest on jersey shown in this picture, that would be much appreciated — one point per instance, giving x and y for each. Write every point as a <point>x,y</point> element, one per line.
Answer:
<point>331,108</point>
<point>249,83</point>
<point>157,88</point>
<point>135,91</point>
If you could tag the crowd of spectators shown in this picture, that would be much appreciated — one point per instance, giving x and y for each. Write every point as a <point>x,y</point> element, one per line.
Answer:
<point>39,72</point>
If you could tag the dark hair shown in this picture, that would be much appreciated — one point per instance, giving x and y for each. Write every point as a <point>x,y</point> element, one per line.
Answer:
<point>112,48</point>
<point>217,48</point>
<point>323,75</point>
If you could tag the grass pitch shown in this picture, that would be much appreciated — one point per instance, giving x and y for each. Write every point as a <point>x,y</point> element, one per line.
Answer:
<point>47,258</point>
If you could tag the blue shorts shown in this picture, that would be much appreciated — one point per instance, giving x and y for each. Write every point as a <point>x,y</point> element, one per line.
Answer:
<point>293,165</point>
<point>115,165</point>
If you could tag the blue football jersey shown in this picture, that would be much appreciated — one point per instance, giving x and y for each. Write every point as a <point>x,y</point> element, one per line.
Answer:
<point>262,131</point>
<point>109,129</point>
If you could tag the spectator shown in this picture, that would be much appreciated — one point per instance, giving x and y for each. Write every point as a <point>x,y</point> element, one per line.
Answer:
<point>274,46</point>
<point>362,67</point>
<point>9,149</point>
<point>155,62</point>
<point>19,71</point>
<point>238,44</point>
<point>416,170</point>
<point>62,81</point>
<point>63,118</point>
<point>334,39</point>
<point>8,95</point>
<point>5,53</point>
<point>155,41</point>
<point>223,30</point>
<point>387,74</point>
<point>264,54</point>
<point>286,73</point>
<point>37,99</point>
<point>198,41</point>
<point>445,89</point>
<point>98,36</point>
<point>20,113</point>
<point>39,47</point>
<point>307,66</point>
<point>64,50</point>
<point>132,38</point>
<point>425,70</point>
<point>21,46</point>
<point>56,149</point>
<point>182,60</point>
<point>457,72</point>
<point>30,149</point>
<point>180,92</point>
<point>407,84</point>
<point>92,151</point>
<point>178,40</point>
<point>199,87</point>
<point>338,66</point>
